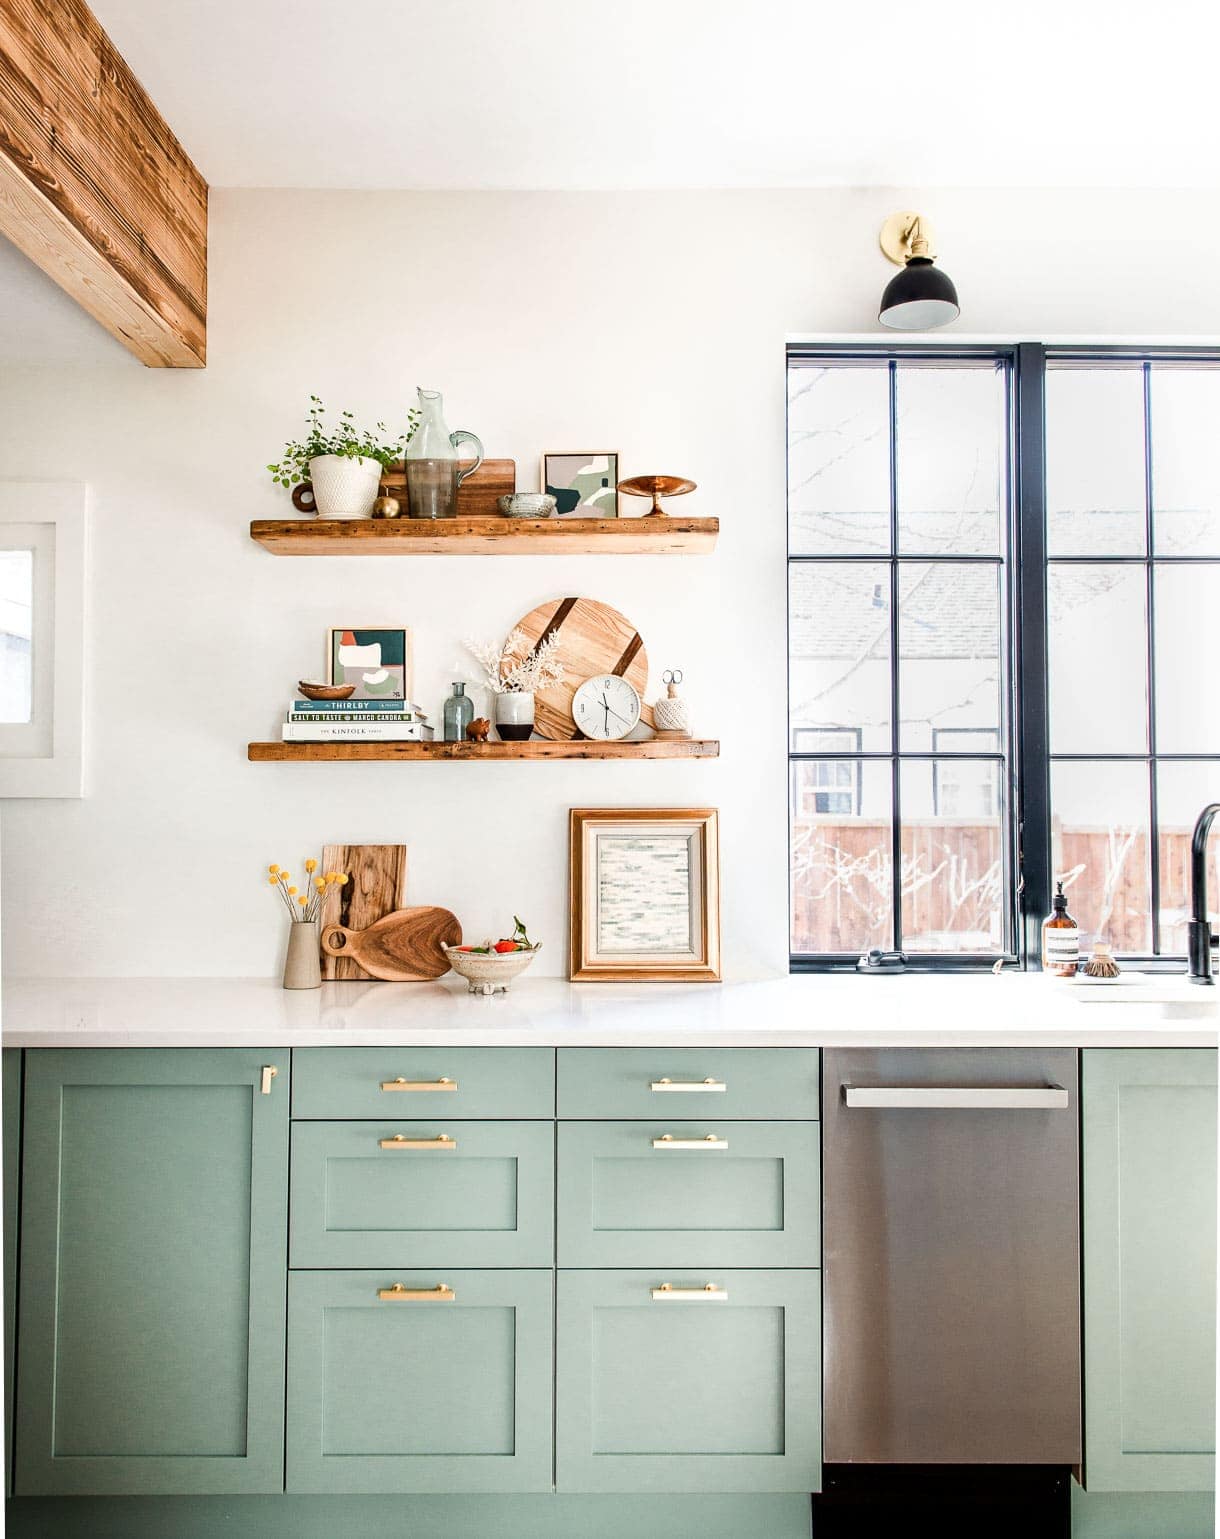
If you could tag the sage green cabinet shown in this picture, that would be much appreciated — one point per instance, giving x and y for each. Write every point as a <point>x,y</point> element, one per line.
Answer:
<point>670,1381</point>
<point>446,1083</point>
<point>722,1083</point>
<point>11,1075</point>
<point>153,1258</point>
<point>444,1385</point>
<point>1149,1189</point>
<point>689,1194</point>
<point>420,1194</point>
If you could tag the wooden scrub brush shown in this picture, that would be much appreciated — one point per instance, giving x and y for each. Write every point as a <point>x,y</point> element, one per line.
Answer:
<point>1101,964</point>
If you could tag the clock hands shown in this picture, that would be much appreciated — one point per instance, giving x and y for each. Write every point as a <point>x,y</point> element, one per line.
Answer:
<point>610,711</point>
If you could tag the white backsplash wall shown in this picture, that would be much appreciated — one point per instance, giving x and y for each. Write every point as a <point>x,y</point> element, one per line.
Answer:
<point>653,324</point>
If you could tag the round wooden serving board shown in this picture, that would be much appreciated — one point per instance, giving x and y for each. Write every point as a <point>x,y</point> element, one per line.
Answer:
<point>593,638</point>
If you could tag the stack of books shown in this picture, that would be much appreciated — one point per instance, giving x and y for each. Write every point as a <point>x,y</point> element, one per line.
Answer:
<point>358,721</point>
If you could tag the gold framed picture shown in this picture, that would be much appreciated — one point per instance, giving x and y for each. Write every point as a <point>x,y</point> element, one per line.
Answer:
<point>644,895</point>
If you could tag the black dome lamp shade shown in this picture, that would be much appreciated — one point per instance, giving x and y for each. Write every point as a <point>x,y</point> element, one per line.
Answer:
<point>921,297</point>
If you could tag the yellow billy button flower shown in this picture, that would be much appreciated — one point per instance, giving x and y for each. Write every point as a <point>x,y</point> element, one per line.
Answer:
<point>272,880</point>
<point>319,884</point>
<point>292,892</point>
<point>303,902</point>
<point>311,866</point>
<point>274,870</point>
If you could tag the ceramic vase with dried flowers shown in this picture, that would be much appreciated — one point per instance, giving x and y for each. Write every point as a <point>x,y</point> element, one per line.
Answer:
<point>302,967</point>
<point>513,673</point>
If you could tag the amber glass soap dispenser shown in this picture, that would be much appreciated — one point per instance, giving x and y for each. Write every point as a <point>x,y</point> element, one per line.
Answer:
<point>1060,940</point>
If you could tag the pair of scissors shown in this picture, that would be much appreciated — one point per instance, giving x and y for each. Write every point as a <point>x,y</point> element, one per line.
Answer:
<point>672,676</point>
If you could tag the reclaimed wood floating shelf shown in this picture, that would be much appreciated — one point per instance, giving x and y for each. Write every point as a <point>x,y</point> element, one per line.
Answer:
<point>651,748</point>
<point>483,536</point>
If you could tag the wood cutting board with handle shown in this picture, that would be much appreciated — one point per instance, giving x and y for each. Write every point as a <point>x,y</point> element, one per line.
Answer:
<point>403,947</point>
<point>593,638</point>
<point>376,885</point>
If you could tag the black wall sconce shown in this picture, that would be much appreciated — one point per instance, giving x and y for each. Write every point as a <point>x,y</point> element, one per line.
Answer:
<point>921,297</point>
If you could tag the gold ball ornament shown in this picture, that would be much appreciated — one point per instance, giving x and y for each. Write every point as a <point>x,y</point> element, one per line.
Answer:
<point>386,507</point>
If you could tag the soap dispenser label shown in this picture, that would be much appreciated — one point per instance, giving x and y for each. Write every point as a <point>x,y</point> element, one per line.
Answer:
<point>1060,947</point>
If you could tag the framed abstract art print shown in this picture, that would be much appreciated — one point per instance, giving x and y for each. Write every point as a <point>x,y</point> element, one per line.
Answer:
<point>644,895</point>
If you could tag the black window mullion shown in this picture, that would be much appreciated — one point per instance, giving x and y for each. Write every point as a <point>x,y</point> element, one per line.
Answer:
<point>895,701</point>
<point>1154,837</point>
<point>1033,717</point>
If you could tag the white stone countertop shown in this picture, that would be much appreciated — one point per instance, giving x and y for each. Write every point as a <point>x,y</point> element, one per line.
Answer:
<point>914,1010</point>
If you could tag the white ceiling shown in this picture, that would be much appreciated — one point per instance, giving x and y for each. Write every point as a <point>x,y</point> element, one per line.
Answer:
<point>655,93</point>
<point>681,93</point>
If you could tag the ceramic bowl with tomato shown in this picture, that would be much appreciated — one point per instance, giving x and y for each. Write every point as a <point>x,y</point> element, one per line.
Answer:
<point>491,971</point>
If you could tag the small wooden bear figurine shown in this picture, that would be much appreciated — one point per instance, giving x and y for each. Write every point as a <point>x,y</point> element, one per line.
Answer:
<point>478,729</point>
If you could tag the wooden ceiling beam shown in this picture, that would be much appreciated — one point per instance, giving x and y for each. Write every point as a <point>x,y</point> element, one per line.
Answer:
<point>95,188</point>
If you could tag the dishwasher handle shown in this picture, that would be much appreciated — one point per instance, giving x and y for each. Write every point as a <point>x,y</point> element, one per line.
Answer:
<point>970,1098</point>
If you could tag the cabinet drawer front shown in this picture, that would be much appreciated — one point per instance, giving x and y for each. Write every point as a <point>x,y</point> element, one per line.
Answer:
<point>667,1194</point>
<point>719,1392</point>
<point>440,1083</point>
<point>440,1391</point>
<point>688,1082</point>
<point>467,1194</point>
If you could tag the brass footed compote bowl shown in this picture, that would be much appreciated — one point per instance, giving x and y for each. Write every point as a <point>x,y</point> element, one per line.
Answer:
<point>656,487</point>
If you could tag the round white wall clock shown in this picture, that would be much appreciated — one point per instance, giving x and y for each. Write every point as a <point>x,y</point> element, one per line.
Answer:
<point>606,707</point>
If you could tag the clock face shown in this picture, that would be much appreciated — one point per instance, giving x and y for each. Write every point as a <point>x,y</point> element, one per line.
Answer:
<point>606,707</point>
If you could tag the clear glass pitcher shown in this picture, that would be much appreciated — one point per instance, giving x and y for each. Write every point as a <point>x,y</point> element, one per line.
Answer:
<point>433,469</point>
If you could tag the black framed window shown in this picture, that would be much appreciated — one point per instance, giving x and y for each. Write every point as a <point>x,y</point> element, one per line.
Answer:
<point>996,621</point>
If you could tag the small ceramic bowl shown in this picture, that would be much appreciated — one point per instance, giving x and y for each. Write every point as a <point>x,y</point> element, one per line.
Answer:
<point>527,505</point>
<point>489,972</point>
<point>325,691</point>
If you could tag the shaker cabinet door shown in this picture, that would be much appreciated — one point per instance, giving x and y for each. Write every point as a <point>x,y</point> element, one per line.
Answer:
<point>153,1260</point>
<point>1149,1186</point>
<point>419,1382</point>
<point>677,1381</point>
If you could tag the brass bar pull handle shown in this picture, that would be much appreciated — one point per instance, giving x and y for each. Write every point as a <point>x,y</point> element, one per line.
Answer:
<point>441,1294</point>
<point>708,1086</point>
<point>401,1141</point>
<point>708,1294</point>
<point>269,1073</point>
<point>974,1098</point>
<point>709,1141</point>
<point>419,1084</point>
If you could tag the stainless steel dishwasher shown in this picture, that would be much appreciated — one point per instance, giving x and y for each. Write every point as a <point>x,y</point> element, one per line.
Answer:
<point>951,1256</point>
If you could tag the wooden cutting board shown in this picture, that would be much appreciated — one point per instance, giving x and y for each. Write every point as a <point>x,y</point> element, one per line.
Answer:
<point>593,638</point>
<point>376,885</point>
<point>404,947</point>
<point>477,493</point>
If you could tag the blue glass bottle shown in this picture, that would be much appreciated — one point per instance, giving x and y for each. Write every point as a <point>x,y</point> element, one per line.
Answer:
<point>459,713</point>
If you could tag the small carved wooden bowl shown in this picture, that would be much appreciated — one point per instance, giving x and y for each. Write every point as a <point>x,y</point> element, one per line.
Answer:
<point>325,691</point>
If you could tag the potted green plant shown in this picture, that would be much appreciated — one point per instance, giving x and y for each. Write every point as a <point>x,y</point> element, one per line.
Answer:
<point>343,464</point>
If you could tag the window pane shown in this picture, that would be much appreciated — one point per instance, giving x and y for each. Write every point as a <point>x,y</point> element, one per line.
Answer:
<point>842,861</point>
<point>839,652</point>
<point>838,459</point>
<point>1095,489</point>
<point>1099,826</point>
<point>16,635</point>
<point>1185,461</point>
<point>953,887</point>
<point>1187,607</point>
<point>1098,621</point>
<point>949,639</point>
<point>949,459</point>
<point>1183,790</point>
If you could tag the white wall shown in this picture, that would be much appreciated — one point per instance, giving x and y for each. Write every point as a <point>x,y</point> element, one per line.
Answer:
<point>651,323</point>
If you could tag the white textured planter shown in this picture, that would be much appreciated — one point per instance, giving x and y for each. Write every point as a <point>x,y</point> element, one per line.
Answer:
<point>342,487</point>
<point>515,716</point>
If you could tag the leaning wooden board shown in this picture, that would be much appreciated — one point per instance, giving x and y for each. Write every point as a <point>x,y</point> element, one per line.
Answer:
<point>477,494</point>
<point>404,947</point>
<point>376,885</point>
<point>593,638</point>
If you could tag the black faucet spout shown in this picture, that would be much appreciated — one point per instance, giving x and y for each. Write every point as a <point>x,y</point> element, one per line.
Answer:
<point>1199,930</point>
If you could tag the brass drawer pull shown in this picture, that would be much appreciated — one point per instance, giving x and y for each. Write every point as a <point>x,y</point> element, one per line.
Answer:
<point>269,1073</point>
<point>708,1085</point>
<point>419,1084</point>
<point>441,1294</point>
<point>709,1293</point>
<point>401,1141</point>
<point>710,1141</point>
